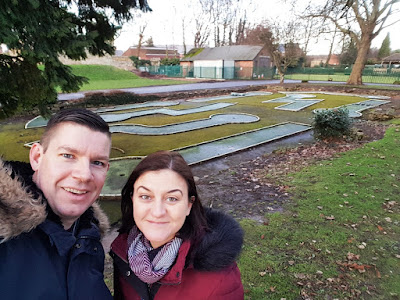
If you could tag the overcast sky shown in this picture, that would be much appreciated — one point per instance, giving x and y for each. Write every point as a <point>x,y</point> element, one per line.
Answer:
<point>164,24</point>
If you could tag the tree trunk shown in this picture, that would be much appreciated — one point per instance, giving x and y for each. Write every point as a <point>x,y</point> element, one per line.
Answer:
<point>139,45</point>
<point>282,78</point>
<point>356,74</point>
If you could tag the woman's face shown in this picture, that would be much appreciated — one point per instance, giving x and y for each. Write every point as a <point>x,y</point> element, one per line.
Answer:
<point>160,205</point>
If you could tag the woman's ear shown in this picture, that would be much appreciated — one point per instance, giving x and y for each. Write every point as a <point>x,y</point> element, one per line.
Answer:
<point>35,156</point>
<point>191,201</point>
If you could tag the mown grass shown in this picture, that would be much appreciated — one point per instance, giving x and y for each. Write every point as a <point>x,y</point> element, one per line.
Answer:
<point>12,136</point>
<point>108,77</point>
<point>342,78</point>
<point>142,145</point>
<point>346,205</point>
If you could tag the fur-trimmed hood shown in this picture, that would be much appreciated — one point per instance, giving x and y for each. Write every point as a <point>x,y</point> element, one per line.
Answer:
<point>22,205</point>
<point>221,246</point>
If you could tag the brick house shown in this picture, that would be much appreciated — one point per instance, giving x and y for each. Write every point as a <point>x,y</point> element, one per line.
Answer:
<point>226,62</point>
<point>154,54</point>
<point>317,60</point>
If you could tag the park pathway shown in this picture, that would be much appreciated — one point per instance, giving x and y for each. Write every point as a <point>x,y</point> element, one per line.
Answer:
<point>180,87</point>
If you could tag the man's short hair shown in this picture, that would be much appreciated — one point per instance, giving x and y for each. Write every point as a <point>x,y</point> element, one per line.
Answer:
<point>79,116</point>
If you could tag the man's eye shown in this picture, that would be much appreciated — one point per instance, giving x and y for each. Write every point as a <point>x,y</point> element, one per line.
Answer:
<point>99,163</point>
<point>66,155</point>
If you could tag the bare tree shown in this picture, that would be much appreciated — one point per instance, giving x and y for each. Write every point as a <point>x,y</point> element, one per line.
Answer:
<point>142,28</point>
<point>226,17</point>
<point>281,41</point>
<point>362,20</point>
<point>183,35</point>
<point>202,33</point>
<point>240,31</point>
<point>332,43</point>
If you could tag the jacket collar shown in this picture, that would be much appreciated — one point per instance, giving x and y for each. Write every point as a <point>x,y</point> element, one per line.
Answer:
<point>174,276</point>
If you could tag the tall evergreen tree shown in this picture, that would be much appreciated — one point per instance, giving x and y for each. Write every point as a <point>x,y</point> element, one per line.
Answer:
<point>385,48</point>
<point>349,53</point>
<point>37,32</point>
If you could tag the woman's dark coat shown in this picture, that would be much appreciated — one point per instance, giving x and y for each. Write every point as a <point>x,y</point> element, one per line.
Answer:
<point>39,259</point>
<point>211,274</point>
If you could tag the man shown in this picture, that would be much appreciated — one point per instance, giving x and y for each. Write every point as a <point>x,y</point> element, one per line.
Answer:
<point>49,224</point>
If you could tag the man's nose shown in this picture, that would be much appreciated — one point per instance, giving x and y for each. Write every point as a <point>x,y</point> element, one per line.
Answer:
<point>82,171</point>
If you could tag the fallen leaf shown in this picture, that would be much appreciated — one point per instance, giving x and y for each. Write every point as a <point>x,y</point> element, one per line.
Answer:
<point>380,228</point>
<point>262,274</point>
<point>262,236</point>
<point>331,217</point>
<point>352,256</point>
<point>300,276</point>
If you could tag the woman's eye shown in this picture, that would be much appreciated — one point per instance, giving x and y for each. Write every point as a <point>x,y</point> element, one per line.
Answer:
<point>172,199</point>
<point>144,197</point>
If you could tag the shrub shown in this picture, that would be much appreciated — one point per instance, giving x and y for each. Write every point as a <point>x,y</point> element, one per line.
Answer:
<point>331,123</point>
<point>115,98</point>
<point>139,62</point>
<point>170,61</point>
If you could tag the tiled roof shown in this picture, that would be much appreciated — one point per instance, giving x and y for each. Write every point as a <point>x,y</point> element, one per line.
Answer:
<point>393,57</point>
<point>240,52</point>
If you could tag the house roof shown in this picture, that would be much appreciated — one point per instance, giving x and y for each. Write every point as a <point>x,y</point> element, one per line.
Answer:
<point>240,52</point>
<point>392,58</point>
<point>150,51</point>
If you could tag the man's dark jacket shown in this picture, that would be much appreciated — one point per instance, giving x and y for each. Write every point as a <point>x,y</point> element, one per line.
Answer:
<point>39,259</point>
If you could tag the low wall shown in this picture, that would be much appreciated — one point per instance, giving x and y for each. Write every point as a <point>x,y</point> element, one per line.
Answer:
<point>121,62</point>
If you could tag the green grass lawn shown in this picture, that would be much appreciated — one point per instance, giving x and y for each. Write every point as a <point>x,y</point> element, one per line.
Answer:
<point>339,238</point>
<point>342,77</point>
<point>13,136</point>
<point>108,77</point>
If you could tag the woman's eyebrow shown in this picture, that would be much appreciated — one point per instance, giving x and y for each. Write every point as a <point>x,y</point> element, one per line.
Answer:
<point>175,190</point>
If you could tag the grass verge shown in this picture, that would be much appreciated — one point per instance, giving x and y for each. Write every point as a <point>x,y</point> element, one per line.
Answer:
<point>339,239</point>
<point>108,77</point>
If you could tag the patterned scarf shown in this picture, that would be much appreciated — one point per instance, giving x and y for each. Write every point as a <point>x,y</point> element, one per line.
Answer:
<point>139,261</point>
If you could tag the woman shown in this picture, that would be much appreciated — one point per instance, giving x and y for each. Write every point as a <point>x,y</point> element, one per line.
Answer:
<point>169,247</point>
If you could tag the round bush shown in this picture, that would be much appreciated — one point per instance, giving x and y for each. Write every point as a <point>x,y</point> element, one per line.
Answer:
<point>331,123</point>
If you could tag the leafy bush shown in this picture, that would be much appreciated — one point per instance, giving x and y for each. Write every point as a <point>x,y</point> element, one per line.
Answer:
<point>170,61</point>
<point>331,123</point>
<point>139,62</point>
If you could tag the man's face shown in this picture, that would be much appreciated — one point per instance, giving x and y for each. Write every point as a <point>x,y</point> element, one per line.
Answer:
<point>72,171</point>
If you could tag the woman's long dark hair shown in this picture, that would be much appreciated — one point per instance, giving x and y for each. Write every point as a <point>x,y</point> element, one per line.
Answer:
<point>195,224</point>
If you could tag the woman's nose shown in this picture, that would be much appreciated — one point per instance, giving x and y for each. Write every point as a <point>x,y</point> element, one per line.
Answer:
<point>158,208</point>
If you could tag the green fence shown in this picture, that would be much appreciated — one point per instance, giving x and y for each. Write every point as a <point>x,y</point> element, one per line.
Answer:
<point>213,72</point>
<point>371,74</point>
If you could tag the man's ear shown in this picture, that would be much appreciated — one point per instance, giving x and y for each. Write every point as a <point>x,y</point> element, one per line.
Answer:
<point>35,156</point>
